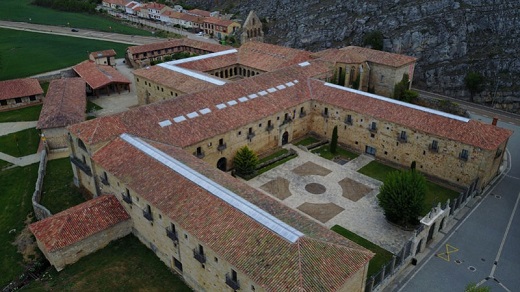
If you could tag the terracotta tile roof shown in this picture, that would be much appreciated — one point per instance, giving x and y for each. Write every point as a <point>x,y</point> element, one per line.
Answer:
<point>321,260</point>
<point>154,5</point>
<point>118,2</point>
<point>473,133</point>
<point>99,130</point>
<point>64,104</point>
<point>337,55</point>
<point>218,21</point>
<point>380,57</point>
<point>98,76</point>
<point>267,57</point>
<point>171,79</point>
<point>103,54</point>
<point>79,222</point>
<point>209,64</point>
<point>199,12</point>
<point>177,43</point>
<point>219,121</point>
<point>19,88</point>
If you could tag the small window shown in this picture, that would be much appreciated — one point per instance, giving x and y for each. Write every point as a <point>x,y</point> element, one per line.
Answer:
<point>32,98</point>
<point>239,133</point>
<point>81,145</point>
<point>259,125</point>
<point>216,260</point>
<point>137,79</point>
<point>464,154</point>
<point>221,141</point>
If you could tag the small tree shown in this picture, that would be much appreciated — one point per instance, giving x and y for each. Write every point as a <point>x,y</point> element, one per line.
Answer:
<point>245,162</point>
<point>402,197</point>
<point>334,141</point>
<point>374,40</point>
<point>474,82</point>
<point>402,91</point>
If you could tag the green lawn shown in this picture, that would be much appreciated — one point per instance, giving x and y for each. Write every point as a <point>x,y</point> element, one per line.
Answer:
<point>92,107</point>
<point>21,143</point>
<point>124,265</point>
<point>4,164</point>
<point>21,10</point>
<point>59,193</point>
<point>31,113</point>
<point>16,188</point>
<point>382,256</point>
<point>434,192</point>
<point>324,152</point>
<point>307,141</point>
<point>20,59</point>
<point>273,165</point>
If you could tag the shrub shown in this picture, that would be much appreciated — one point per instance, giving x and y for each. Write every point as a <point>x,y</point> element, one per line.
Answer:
<point>402,91</point>
<point>374,40</point>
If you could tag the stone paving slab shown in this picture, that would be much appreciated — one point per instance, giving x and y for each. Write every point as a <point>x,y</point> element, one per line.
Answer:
<point>8,128</point>
<point>362,216</point>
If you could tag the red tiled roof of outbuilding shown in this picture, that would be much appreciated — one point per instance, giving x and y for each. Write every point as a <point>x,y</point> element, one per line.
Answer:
<point>319,260</point>
<point>22,87</point>
<point>98,76</point>
<point>64,104</point>
<point>267,57</point>
<point>178,43</point>
<point>381,57</point>
<point>79,222</point>
<point>103,54</point>
<point>199,12</point>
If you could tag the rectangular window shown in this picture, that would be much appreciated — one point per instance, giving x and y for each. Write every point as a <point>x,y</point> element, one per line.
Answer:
<point>3,102</point>
<point>326,112</point>
<point>18,100</point>
<point>434,146</point>
<point>177,264</point>
<point>464,155</point>
<point>403,137</point>
<point>370,150</point>
<point>32,98</point>
<point>348,120</point>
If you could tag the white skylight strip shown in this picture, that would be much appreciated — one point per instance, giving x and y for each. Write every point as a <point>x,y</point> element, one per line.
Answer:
<point>280,87</point>
<point>192,115</point>
<point>279,227</point>
<point>243,99</point>
<point>409,105</point>
<point>179,119</point>
<point>205,111</point>
<point>221,106</point>
<point>202,57</point>
<point>165,123</point>
<point>304,64</point>
<point>252,96</point>
<point>193,74</point>
<point>262,93</point>
<point>232,102</point>
<point>271,90</point>
<point>296,81</point>
<point>289,84</point>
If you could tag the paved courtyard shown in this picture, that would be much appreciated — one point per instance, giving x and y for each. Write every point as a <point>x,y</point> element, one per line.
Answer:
<point>332,194</point>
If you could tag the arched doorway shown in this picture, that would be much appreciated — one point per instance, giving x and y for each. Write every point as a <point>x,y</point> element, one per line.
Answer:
<point>222,164</point>
<point>418,249</point>
<point>285,138</point>
<point>430,233</point>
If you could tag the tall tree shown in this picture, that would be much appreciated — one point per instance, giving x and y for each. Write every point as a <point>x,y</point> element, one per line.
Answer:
<point>245,162</point>
<point>474,82</point>
<point>334,141</point>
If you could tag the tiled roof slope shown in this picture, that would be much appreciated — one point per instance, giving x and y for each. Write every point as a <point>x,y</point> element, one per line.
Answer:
<point>79,222</point>
<point>209,64</point>
<point>199,12</point>
<point>178,43</point>
<point>169,78</point>
<point>102,54</point>
<point>267,57</point>
<point>381,57</point>
<point>319,261</point>
<point>98,76</point>
<point>143,121</point>
<point>64,104</point>
<point>19,88</point>
<point>337,55</point>
<point>472,133</point>
<point>218,21</point>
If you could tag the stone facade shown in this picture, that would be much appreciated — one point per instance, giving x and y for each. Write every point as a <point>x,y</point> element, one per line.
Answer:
<point>56,137</point>
<point>252,29</point>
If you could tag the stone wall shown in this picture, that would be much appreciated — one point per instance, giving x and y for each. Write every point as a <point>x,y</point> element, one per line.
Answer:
<point>16,103</point>
<point>56,138</point>
<point>39,210</point>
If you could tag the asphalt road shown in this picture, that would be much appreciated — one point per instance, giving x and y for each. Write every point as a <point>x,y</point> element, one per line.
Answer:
<point>484,246</point>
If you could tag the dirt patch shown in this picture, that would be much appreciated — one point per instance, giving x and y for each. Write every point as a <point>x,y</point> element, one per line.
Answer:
<point>315,188</point>
<point>25,243</point>
<point>310,168</point>
<point>278,187</point>
<point>353,190</point>
<point>321,212</point>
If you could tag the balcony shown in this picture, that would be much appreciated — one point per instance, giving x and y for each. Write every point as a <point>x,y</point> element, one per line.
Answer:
<point>250,135</point>
<point>372,129</point>
<point>286,121</point>
<point>325,115</point>
<point>269,128</point>
<point>104,181</point>
<point>221,147</point>
<point>463,157</point>
<point>147,215</point>
<point>402,139</point>
<point>199,154</point>
<point>172,235</point>
<point>199,256</point>
<point>81,165</point>
<point>232,283</point>
<point>348,121</point>
<point>433,148</point>
<point>127,198</point>
<point>302,114</point>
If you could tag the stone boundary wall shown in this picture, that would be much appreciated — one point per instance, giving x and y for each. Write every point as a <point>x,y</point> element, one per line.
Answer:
<point>39,210</point>
<point>67,73</point>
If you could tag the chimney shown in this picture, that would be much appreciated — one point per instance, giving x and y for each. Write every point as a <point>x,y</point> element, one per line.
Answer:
<point>495,121</point>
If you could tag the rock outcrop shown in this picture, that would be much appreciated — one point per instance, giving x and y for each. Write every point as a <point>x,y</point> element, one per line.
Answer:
<point>449,37</point>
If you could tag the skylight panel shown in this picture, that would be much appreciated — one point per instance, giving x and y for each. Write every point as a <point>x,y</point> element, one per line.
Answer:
<point>232,102</point>
<point>205,111</point>
<point>280,87</point>
<point>289,84</point>
<point>296,81</point>
<point>243,99</point>
<point>252,96</point>
<point>179,119</point>
<point>303,64</point>
<point>192,115</point>
<point>262,93</point>
<point>271,90</point>
<point>165,123</point>
<point>221,106</point>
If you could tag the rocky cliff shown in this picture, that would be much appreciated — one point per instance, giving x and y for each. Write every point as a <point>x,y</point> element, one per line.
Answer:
<point>450,38</point>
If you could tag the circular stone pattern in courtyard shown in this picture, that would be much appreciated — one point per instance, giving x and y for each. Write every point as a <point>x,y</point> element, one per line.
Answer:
<point>315,188</point>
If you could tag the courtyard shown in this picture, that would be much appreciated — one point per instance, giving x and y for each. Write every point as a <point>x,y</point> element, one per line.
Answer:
<point>333,194</point>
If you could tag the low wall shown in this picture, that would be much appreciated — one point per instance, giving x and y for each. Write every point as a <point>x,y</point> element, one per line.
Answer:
<point>40,211</point>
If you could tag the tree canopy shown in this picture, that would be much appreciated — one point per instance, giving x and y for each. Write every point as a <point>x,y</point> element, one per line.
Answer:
<point>245,162</point>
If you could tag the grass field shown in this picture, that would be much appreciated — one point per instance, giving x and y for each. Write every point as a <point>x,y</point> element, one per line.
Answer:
<point>31,113</point>
<point>15,204</point>
<point>21,59</point>
<point>307,141</point>
<point>92,107</point>
<point>59,193</point>
<point>21,143</point>
<point>378,261</point>
<point>324,152</point>
<point>21,10</point>
<point>434,192</point>
<point>124,265</point>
